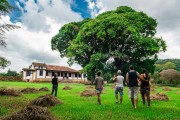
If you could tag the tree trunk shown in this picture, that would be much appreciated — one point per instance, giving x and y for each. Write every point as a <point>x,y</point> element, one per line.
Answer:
<point>118,63</point>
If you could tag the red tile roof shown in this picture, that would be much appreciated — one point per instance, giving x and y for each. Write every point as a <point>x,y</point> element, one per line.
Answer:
<point>54,67</point>
<point>38,64</point>
<point>60,68</point>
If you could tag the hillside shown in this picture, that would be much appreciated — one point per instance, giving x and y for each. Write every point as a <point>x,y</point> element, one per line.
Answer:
<point>175,61</point>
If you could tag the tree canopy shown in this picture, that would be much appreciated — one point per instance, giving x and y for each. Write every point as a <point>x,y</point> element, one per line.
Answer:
<point>124,35</point>
<point>4,62</point>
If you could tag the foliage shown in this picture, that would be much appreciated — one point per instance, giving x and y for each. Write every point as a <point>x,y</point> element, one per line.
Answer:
<point>4,62</point>
<point>123,34</point>
<point>167,65</point>
<point>5,8</point>
<point>81,108</point>
<point>175,61</point>
<point>156,78</point>
<point>10,73</point>
<point>170,76</point>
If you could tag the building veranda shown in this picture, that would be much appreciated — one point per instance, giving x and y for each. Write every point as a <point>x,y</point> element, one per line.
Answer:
<point>45,72</point>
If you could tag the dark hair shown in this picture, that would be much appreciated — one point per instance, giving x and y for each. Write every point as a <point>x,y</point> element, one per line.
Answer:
<point>131,67</point>
<point>144,71</point>
<point>98,73</point>
<point>54,75</point>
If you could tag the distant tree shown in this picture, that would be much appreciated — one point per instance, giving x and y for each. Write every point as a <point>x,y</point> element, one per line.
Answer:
<point>4,62</point>
<point>123,34</point>
<point>5,8</point>
<point>156,78</point>
<point>167,65</point>
<point>175,61</point>
<point>12,73</point>
<point>170,76</point>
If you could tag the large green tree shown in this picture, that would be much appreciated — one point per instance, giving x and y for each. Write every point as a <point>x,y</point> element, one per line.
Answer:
<point>125,35</point>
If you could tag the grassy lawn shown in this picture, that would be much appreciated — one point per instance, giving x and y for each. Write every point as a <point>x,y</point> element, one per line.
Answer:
<point>82,108</point>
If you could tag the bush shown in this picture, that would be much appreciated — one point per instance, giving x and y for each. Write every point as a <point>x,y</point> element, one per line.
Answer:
<point>170,76</point>
<point>10,78</point>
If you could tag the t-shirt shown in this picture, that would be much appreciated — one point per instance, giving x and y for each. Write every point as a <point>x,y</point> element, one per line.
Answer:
<point>144,83</point>
<point>55,81</point>
<point>99,82</point>
<point>119,81</point>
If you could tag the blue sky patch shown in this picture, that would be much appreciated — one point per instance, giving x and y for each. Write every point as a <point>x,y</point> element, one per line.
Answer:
<point>79,6</point>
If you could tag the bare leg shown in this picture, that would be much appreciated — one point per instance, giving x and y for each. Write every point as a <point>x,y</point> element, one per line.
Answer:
<point>135,102</point>
<point>132,100</point>
<point>121,99</point>
<point>116,98</point>
<point>99,99</point>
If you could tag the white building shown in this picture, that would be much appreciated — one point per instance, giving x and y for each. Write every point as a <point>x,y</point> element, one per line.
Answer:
<point>44,72</point>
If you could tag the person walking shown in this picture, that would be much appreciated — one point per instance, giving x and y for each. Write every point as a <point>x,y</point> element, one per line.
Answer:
<point>145,87</point>
<point>119,86</point>
<point>132,81</point>
<point>99,86</point>
<point>55,85</point>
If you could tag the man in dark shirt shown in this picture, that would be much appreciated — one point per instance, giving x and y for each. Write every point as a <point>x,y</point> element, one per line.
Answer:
<point>55,85</point>
<point>132,81</point>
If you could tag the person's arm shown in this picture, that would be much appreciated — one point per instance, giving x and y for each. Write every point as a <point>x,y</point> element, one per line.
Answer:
<point>102,81</point>
<point>127,78</point>
<point>95,81</point>
<point>115,78</point>
<point>57,81</point>
<point>149,81</point>
<point>52,81</point>
<point>141,78</point>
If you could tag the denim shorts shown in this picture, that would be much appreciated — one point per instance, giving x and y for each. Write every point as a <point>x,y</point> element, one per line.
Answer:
<point>120,90</point>
<point>99,90</point>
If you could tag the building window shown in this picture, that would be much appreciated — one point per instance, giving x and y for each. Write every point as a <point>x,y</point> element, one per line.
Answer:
<point>46,73</point>
<point>61,74</point>
<point>79,75</point>
<point>75,74</point>
<point>40,67</point>
<point>28,73</point>
<point>84,75</point>
<point>69,74</point>
<point>41,73</point>
<point>65,75</point>
<point>53,73</point>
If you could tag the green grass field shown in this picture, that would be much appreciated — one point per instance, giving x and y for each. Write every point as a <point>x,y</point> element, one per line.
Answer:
<point>83,108</point>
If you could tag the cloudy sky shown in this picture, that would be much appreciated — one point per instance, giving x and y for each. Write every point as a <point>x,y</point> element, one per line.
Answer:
<point>40,20</point>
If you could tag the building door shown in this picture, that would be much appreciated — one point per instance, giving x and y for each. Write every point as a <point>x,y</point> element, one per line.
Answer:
<point>53,73</point>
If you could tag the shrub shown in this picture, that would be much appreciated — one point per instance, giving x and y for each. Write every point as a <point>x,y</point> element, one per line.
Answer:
<point>170,76</point>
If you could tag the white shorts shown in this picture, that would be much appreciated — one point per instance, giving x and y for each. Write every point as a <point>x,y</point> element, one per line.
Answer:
<point>133,92</point>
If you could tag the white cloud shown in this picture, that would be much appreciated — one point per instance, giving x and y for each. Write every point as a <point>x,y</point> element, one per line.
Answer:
<point>92,5</point>
<point>167,14</point>
<point>42,21</point>
<point>32,42</point>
